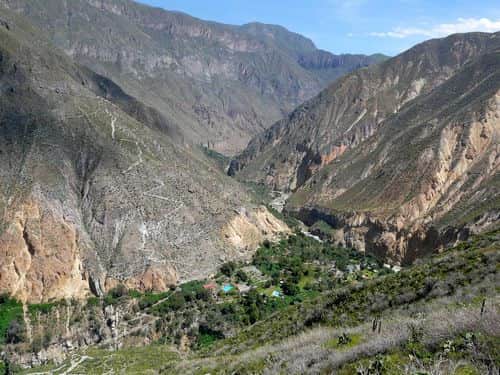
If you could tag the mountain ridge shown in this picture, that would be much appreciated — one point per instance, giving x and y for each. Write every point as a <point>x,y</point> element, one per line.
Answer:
<point>223,83</point>
<point>304,152</point>
<point>94,192</point>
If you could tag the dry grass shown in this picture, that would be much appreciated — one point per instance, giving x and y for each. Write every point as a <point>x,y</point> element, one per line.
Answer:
<point>307,352</point>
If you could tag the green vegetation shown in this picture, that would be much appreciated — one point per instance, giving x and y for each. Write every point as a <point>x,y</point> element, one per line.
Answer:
<point>149,299</point>
<point>138,360</point>
<point>352,303</point>
<point>344,341</point>
<point>228,268</point>
<point>350,306</point>
<point>300,257</point>
<point>42,308</point>
<point>11,317</point>
<point>208,336</point>
<point>289,220</point>
<point>464,354</point>
<point>321,227</point>
<point>297,269</point>
<point>222,161</point>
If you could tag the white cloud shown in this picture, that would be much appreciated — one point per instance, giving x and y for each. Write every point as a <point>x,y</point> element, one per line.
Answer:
<point>463,25</point>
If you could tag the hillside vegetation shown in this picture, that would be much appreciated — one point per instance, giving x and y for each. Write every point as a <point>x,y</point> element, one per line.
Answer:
<point>438,315</point>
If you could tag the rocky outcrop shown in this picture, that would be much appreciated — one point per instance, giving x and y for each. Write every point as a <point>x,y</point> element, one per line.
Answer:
<point>249,229</point>
<point>427,178</point>
<point>40,255</point>
<point>153,279</point>
<point>367,234</point>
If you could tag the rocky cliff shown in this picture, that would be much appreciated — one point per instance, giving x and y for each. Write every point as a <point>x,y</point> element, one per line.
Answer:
<point>93,188</point>
<point>222,83</point>
<point>396,157</point>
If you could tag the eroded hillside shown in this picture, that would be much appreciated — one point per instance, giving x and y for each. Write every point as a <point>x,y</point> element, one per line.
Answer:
<point>223,84</point>
<point>397,157</point>
<point>94,191</point>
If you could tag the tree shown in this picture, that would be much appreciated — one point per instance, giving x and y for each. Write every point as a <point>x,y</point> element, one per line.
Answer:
<point>16,332</point>
<point>289,288</point>
<point>228,268</point>
<point>241,276</point>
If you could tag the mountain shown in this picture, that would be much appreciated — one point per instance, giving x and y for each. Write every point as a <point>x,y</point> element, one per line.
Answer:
<point>397,157</point>
<point>220,84</point>
<point>94,189</point>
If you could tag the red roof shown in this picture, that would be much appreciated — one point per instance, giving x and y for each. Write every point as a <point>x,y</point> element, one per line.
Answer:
<point>210,286</point>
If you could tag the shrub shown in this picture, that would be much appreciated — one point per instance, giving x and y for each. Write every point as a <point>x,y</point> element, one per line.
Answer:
<point>175,302</point>
<point>241,276</point>
<point>42,308</point>
<point>119,291</point>
<point>16,333</point>
<point>208,336</point>
<point>10,310</point>
<point>228,268</point>
<point>290,289</point>
<point>92,301</point>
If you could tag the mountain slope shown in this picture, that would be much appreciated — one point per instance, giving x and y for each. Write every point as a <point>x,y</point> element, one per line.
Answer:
<point>94,191</point>
<point>223,83</point>
<point>434,165</point>
<point>393,154</point>
<point>352,109</point>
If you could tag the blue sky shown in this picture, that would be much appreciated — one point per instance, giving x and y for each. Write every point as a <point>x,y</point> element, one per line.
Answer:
<point>355,26</point>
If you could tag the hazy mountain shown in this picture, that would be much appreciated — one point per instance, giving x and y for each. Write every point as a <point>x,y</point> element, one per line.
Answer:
<point>393,154</point>
<point>221,84</point>
<point>94,191</point>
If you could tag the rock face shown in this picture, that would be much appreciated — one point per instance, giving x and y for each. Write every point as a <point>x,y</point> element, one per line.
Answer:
<point>93,188</point>
<point>397,157</point>
<point>223,83</point>
<point>247,230</point>
<point>352,109</point>
<point>40,255</point>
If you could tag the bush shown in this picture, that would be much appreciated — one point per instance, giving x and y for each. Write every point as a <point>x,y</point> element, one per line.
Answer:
<point>92,301</point>
<point>290,289</point>
<point>10,310</point>
<point>175,302</point>
<point>228,269</point>
<point>208,336</point>
<point>119,291</point>
<point>203,295</point>
<point>241,276</point>
<point>16,333</point>
<point>194,290</point>
<point>42,308</point>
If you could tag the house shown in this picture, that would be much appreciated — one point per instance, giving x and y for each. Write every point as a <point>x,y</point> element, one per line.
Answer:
<point>212,288</point>
<point>243,288</point>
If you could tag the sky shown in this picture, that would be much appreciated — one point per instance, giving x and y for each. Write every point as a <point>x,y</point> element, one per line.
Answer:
<point>352,26</point>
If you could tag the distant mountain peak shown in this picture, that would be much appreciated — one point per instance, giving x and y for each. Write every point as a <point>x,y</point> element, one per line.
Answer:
<point>220,84</point>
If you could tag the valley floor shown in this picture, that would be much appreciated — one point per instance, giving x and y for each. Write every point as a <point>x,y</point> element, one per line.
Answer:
<point>440,316</point>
